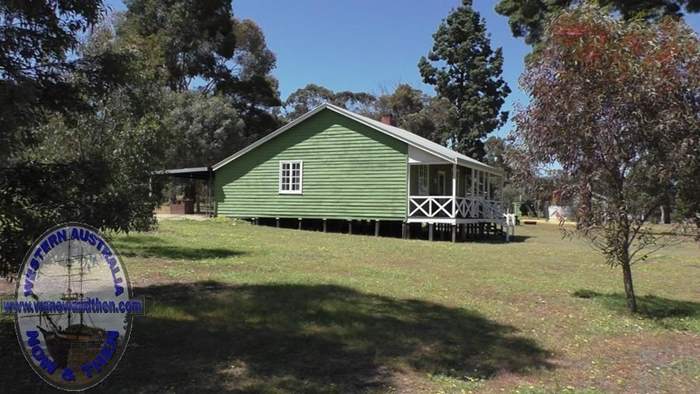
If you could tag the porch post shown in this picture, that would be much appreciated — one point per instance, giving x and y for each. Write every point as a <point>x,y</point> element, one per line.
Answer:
<point>376,228</point>
<point>408,189</point>
<point>454,190</point>
<point>430,231</point>
<point>210,184</point>
<point>475,173</point>
<point>500,196</point>
<point>488,187</point>
<point>427,167</point>
<point>503,184</point>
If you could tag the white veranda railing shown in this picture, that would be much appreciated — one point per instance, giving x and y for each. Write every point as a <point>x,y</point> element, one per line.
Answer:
<point>464,207</point>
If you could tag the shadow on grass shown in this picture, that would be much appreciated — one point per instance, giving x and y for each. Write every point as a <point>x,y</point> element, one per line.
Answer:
<point>649,306</point>
<point>302,338</point>
<point>500,239</point>
<point>178,252</point>
<point>208,337</point>
<point>144,246</point>
<point>138,239</point>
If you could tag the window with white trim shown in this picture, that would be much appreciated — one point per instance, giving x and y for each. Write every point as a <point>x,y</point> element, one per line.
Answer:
<point>290,177</point>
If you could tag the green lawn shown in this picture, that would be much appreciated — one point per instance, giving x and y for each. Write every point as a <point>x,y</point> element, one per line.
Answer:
<point>236,307</point>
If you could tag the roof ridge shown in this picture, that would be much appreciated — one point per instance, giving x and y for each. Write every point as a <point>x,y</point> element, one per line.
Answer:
<point>420,140</point>
<point>406,136</point>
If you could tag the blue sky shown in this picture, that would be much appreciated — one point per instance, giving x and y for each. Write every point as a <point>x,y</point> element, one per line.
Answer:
<point>368,45</point>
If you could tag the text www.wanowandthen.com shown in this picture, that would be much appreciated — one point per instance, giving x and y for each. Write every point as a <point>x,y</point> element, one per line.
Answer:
<point>88,305</point>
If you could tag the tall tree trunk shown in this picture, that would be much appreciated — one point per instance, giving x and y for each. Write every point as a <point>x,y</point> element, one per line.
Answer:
<point>629,288</point>
<point>584,210</point>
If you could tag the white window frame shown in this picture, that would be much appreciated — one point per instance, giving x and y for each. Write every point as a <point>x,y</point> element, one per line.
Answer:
<point>282,163</point>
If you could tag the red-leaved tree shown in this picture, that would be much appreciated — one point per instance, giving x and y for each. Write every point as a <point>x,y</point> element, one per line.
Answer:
<point>616,104</point>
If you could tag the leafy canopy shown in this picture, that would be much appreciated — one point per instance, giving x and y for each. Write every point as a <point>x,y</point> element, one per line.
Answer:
<point>417,112</point>
<point>191,39</point>
<point>36,38</point>
<point>209,125</point>
<point>305,99</point>
<point>616,105</point>
<point>528,18</point>
<point>201,44</point>
<point>83,139</point>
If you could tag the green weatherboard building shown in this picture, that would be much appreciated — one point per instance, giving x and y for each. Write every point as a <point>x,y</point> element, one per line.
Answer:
<point>332,164</point>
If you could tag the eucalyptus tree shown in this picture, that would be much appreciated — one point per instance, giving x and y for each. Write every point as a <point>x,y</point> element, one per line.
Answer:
<point>529,18</point>
<point>52,90</point>
<point>201,45</point>
<point>615,104</point>
<point>36,41</point>
<point>304,99</point>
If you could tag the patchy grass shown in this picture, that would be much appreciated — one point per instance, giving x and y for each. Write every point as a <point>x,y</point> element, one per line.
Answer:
<point>234,307</point>
<point>668,313</point>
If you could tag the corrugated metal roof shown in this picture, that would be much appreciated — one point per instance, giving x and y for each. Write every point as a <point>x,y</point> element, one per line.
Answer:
<point>183,170</point>
<point>193,172</point>
<point>393,131</point>
<point>415,140</point>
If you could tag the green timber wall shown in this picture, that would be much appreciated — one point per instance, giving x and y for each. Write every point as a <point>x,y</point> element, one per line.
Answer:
<point>351,171</point>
